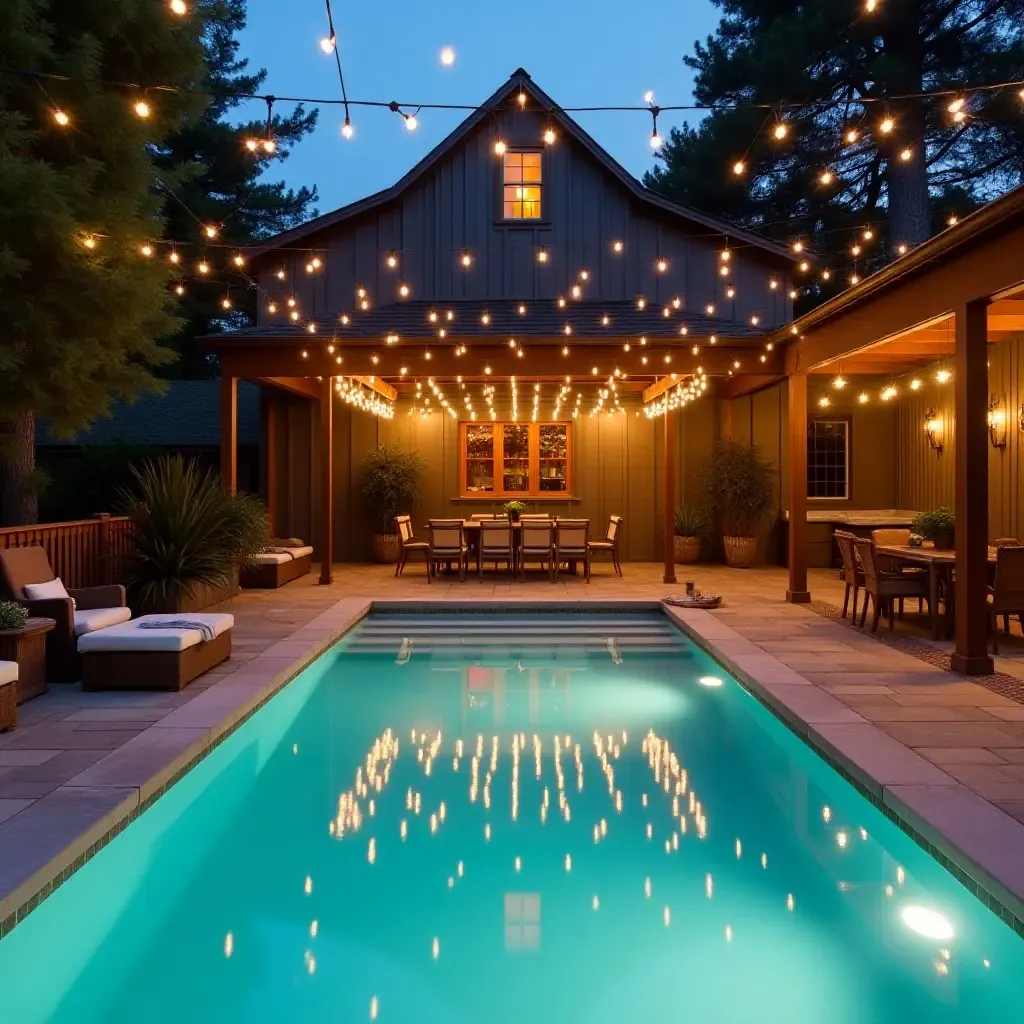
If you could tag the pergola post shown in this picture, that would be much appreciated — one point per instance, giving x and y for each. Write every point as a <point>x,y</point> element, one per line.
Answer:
<point>326,479</point>
<point>970,493</point>
<point>670,496</point>
<point>269,414</point>
<point>229,433</point>
<point>796,486</point>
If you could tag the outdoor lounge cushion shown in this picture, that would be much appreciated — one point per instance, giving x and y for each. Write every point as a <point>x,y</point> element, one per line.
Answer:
<point>45,591</point>
<point>8,672</point>
<point>88,620</point>
<point>127,636</point>
<point>272,558</point>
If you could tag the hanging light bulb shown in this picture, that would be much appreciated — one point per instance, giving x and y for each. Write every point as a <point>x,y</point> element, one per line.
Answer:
<point>210,231</point>
<point>500,147</point>
<point>61,118</point>
<point>887,126</point>
<point>174,257</point>
<point>656,140</point>
<point>906,155</point>
<point>204,267</point>
<point>411,123</point>
<point>179,289</point>
<point>328,43</point>
<point>146,250</point>
<point>826,177</point>
<point>141,108</point>
<point>852,136</point>
<point>781,130</point>
<point>549,136</point>
<point>347,131</point>
<point>738,168</point>
<point>178,7</point>
<point>447,56</point>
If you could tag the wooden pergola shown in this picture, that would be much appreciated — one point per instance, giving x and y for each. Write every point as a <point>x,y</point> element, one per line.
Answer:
<point>947,298</point>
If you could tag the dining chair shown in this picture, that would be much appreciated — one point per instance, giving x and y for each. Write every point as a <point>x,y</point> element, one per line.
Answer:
<point>409,543</point>
<point>853,574</point>
<point>479,516</point>
<point>610,543</point>
<point>1006,594</point>
<point>536,544</point>
<point>447,544</point>
<point>495,544</point>
<point>572,544</point>
<point>896,537</point>
<point>534,516</point>
<point>1005,542</point>
<point>882,586</point>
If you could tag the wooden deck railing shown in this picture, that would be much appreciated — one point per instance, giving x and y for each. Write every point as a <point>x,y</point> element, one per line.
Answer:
<point>84,553</point>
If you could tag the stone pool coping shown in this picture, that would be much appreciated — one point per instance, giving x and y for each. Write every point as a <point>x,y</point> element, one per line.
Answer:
<point>981,845</point>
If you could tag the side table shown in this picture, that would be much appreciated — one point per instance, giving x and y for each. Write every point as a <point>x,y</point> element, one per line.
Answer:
<point>27,646</point>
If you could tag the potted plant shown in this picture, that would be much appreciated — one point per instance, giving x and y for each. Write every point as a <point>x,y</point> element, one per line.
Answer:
<point>190,536</point>
<point>938,526</point>
<point>514,509</point>
<point>12,615</point>
<point>690,525</point>
<point>737,492</point>
<point>390,483</point>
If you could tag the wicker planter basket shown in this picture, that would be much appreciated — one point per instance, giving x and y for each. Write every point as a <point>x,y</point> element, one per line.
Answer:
<point>687,550</point>
<point>386,547</point>
<point>740,551</point>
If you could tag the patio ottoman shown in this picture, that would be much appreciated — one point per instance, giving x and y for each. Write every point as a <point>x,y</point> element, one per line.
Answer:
<point>8,695</point>
<point>130,656</point>
<point>273,569</point>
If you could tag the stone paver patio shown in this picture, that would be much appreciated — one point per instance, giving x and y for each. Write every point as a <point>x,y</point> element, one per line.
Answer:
<point>946,754</point>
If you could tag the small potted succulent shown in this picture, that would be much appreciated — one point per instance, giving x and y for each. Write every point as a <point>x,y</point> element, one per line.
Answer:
<point>938,526</point>
<point>514,509</point>
<point>690,525</point>
<point>12,615</point>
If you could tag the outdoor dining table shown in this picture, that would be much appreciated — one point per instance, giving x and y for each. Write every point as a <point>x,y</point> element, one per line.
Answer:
<point>939,564</point>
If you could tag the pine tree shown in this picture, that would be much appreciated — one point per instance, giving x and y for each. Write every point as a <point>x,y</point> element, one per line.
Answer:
<point>824,57</point>
<point>223,185</point>
<point>81,306</point>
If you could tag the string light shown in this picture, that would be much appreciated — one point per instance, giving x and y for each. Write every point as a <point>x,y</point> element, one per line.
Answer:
<point>549,136</point>
<point>61,118</point>
<point>347,131</point>
<point>328,43</point>
<point>500,147</point>
<point>141,108</point>
<point>447,56</point>
<point>780,131</point>
<point>146,250</point>
<point>887,126</point>
<point>906,155</point>
<point>738,168</point>
<point>178,7</point>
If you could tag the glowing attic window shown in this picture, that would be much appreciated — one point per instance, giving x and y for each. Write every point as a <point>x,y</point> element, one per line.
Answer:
<point>521,184</point>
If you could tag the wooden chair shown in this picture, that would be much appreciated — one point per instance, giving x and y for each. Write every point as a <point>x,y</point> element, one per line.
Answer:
<point>1006,595</point>
<point>884,587</point>
<point>897,537</point>
<point>536,517</point>
<point>447,544</point>
<point>610,542</point>
<point>853,574</point>
<point>572,544</point>
<point>537,544</point>
<point>495,545</point>
<point>409,544</point>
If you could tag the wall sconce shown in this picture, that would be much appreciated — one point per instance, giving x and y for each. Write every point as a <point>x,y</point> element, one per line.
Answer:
<point>933,429</point>
<point>997,421</point>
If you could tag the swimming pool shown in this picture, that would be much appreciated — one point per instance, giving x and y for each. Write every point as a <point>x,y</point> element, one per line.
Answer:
<point>473,818</point>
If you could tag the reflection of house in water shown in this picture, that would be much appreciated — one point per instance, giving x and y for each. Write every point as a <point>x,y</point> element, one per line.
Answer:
<point>522,920</point>
<point>493,695</point>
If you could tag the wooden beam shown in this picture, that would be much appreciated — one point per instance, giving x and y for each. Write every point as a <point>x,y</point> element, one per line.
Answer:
<point>288,361</point>
<point>326,480</point>
<point>229,433</point>
<point>970,491</point>
<point>269,408</point>
<point>304,387</point>
<point>796,464</point>
<point>374,383</point>
<point>746,384</point>
<point>659,387</point>
<point>668,540</point>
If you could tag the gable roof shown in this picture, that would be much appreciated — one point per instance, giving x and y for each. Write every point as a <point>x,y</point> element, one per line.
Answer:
<point>520,81</point>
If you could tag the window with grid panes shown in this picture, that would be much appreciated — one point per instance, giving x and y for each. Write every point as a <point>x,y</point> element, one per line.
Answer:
<point>516,460</point>
<point>521,184</point>
<point>828,458</point>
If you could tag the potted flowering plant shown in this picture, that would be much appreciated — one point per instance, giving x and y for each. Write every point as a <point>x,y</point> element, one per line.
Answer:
<point>938,526</point>
<point>514,509</point>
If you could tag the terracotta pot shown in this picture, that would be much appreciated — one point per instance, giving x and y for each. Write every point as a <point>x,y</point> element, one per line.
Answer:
<point>740,551</point>
<point>386,547</point>
<point>687,550</point>
<point>943,541</point>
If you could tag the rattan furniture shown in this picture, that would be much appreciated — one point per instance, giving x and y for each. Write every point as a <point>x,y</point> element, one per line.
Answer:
<point>83,610</point>
<point>447,544</point>
<point>276,566</point>
<point>572,544</point>
<point>1006,595</point>
<point>26,646</point>
<point>495,545</point>
<point>610,543</point>
<point>536,544</point>
<point>409,544</point>
<point>883,587</point>
<point>853,574</point>
<point>8,695</point>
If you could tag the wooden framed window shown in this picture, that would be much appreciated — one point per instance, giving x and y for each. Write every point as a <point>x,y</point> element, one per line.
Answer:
<point>515,460</point>
<point>828,458</point>
<point>521,184</point>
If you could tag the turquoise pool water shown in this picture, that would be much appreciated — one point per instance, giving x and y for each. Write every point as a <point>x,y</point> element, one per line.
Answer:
<point>540,818</point>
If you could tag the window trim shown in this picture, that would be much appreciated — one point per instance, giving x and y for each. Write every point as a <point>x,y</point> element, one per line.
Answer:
<point>499,190</point>
<point>848,420</point>
<point>533,440</point>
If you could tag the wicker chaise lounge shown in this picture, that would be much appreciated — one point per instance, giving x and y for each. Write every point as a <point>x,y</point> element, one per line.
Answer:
<point>278,565</point>
<point>155,652</point>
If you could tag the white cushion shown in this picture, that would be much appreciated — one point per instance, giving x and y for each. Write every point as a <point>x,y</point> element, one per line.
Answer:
<point>272,558</point>
<point>89,619</point>
<point>45,591</point>
<point>8,672</point>
<point>128,637</point>
<point>301,552</point>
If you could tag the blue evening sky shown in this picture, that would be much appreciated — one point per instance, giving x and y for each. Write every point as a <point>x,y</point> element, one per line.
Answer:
<point>581,54</point>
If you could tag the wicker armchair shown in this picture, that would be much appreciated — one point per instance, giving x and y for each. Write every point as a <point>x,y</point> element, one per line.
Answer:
<point>883,587</point>
<point>537,544</point>
<point>610,543</point>
<point>84,609</point>
<point>495,545</point>
<point>447,544</point>
<point>410,543</point>
<point>1006,595</point>
<point>572,544</point>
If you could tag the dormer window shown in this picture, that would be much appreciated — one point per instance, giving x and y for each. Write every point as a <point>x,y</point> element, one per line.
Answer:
<point>521,184</point>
